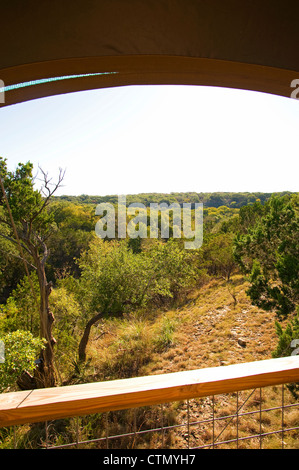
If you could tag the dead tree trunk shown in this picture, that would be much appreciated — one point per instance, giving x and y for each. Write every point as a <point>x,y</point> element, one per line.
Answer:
<point>85,337</point>
<point>46,370</point>
<point>44,374</point>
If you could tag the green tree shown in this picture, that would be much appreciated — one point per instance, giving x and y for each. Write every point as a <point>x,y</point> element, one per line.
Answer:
<point>250,215</point>
<point>173,270</point>
<point>288,344</point>
<point>30,224</point>
<point>269,254</point>
<point>115,280</point>
<point>288,338</point>
<point>75,229</point>
<point>111,282</point>
<point>20,349</point>
<point>216,255</point>
<point>11,268</point>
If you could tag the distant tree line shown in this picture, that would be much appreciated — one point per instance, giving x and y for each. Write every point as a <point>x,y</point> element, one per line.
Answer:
<point>215,199</point>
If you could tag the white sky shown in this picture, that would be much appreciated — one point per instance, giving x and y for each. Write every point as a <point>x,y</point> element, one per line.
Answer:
<point>165,139</point>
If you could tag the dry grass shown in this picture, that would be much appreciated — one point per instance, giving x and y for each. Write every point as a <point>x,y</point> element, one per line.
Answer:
<point>211,330</point>
<point>214,328</point>
<point>215,331</point>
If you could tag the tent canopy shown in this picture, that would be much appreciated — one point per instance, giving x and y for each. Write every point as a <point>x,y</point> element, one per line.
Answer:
<point>244,44</point>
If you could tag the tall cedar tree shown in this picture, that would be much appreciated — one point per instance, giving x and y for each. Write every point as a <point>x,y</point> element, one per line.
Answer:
<point>268,253</point>
<point>25,213</point>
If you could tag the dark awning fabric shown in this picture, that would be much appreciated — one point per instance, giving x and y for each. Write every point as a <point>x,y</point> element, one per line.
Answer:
<point>250,44</point>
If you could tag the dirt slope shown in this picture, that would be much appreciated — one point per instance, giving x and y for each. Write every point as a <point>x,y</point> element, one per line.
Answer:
<point>219,326</point>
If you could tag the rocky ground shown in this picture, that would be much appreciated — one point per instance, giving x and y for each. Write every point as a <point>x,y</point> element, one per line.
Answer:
<point>218,327</point>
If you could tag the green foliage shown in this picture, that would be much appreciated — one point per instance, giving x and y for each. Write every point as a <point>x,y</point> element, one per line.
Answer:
<point>164,336</point>
<point>286,337</point>
<point>66,329</point>
<point>115,279</point>
<point>19,187</point>
<point>30,209</point>
<point>215,199</point>
<point>111,277</point>
<point>288,343</point>
<point>26,213</point>
<point>170,270</point>
<point>75,230</point>
<point>269,254</point>
<point>20,311</point>
<point>216,255</point>
<point>21,348</point>
<point>11,267</point>
<point>251,214</point>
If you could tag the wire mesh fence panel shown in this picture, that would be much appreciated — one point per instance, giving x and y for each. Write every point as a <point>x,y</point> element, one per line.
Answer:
<point>255,419</point>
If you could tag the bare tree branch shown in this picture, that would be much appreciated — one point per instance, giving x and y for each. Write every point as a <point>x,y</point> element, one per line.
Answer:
<point>22,259</point>
<point>15,241</point>
<point>50,191</point>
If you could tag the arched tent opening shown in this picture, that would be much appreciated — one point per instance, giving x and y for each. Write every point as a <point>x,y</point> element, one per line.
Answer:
<point>73,45</point>
<point>63,47</point>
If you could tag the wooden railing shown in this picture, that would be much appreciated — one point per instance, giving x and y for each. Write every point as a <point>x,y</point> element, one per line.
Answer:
<point>78,400</point>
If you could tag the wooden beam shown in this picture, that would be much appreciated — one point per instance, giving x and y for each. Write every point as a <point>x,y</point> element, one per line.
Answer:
<point>78,400</point>
<point>142,70</point>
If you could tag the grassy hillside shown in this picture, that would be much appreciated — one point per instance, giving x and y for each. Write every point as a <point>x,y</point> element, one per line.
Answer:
<point>215,326</point>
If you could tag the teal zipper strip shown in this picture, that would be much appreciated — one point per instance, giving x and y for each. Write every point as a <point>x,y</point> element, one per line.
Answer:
<point>52,79</point>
